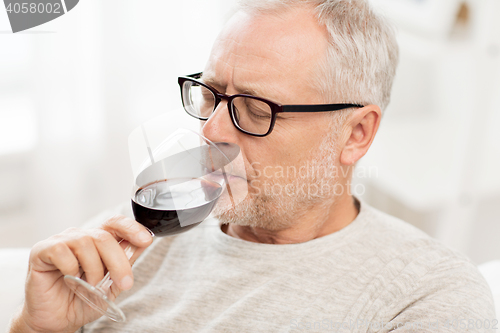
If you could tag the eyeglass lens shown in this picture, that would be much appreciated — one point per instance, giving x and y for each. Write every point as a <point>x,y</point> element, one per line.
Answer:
<point>250,114</point>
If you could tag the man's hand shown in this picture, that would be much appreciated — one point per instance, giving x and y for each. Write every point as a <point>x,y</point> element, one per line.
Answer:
<point>50,306</point>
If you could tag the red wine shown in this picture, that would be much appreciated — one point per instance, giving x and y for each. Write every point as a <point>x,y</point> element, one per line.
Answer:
<point>173,206</point>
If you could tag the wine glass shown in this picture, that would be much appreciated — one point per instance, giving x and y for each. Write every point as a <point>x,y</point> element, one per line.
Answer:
<point>178,181</point>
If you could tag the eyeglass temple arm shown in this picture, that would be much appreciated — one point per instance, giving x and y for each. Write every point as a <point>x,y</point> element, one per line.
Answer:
<point>303,108</point>
<point>319,107</point>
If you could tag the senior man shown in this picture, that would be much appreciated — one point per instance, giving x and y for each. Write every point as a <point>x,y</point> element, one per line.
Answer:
<point>298,85</point>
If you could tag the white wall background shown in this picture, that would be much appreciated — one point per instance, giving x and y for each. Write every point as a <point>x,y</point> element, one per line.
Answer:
<point>71,91</point>
<point>438,148</point>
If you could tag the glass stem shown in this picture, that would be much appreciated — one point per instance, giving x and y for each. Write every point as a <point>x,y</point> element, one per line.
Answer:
<point>106,282</point>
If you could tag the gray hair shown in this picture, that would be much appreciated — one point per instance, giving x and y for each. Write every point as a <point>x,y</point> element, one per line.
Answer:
<point>361,62</point>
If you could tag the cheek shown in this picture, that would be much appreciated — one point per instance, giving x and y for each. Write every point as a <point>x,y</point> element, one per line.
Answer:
<point>283,147</point>
<point>258,153</point>
<point>269,168</point>
<point>278,152</point>
<point>297,139</point>
<point>266,166</point>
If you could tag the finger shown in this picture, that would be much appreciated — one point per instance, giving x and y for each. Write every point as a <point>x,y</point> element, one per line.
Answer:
<point>114,258</point>
<point>122,227</point>
<point>136,255</point>
<point>136,251</point>
<point>115,291</point>
<point>55,255</point>
<point>86,253</point>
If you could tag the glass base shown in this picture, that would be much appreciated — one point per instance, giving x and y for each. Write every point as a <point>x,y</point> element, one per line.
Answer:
<point>95,298</point>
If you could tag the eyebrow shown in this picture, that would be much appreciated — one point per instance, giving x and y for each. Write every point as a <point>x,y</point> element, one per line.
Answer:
<point>211,81</point>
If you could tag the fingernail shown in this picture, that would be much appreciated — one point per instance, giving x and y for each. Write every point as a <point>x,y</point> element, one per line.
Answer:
<point>126,283</point>
<point>144,236</point>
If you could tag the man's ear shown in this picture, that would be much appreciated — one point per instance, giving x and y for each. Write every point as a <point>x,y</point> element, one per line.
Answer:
<point>360,128</point>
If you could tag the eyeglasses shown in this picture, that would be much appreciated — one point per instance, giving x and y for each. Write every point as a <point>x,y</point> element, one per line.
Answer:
<point>250,114</point>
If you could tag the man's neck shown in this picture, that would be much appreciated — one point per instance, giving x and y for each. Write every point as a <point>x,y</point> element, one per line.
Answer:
<point>314,225</point>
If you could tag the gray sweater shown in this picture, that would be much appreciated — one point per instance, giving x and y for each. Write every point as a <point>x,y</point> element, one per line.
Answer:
<point>378,274</point>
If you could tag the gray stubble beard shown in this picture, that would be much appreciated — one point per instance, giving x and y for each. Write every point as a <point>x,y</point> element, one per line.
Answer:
<point>281,211</point>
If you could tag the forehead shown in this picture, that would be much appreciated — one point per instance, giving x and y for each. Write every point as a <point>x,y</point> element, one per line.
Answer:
<point>274,55</point>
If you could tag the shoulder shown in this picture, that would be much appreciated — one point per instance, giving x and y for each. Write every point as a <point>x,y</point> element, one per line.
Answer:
<point>384,233</point>
<point>427,278</point>
<point>390,227</point>
<point>394,240</point>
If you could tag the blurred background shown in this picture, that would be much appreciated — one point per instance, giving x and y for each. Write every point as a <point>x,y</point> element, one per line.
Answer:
<point>72,90</point>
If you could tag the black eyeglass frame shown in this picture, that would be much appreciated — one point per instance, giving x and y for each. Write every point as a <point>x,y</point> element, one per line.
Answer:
<point>275,107</point>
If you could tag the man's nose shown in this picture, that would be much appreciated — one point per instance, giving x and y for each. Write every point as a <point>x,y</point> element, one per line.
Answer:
<point>219,127</point>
